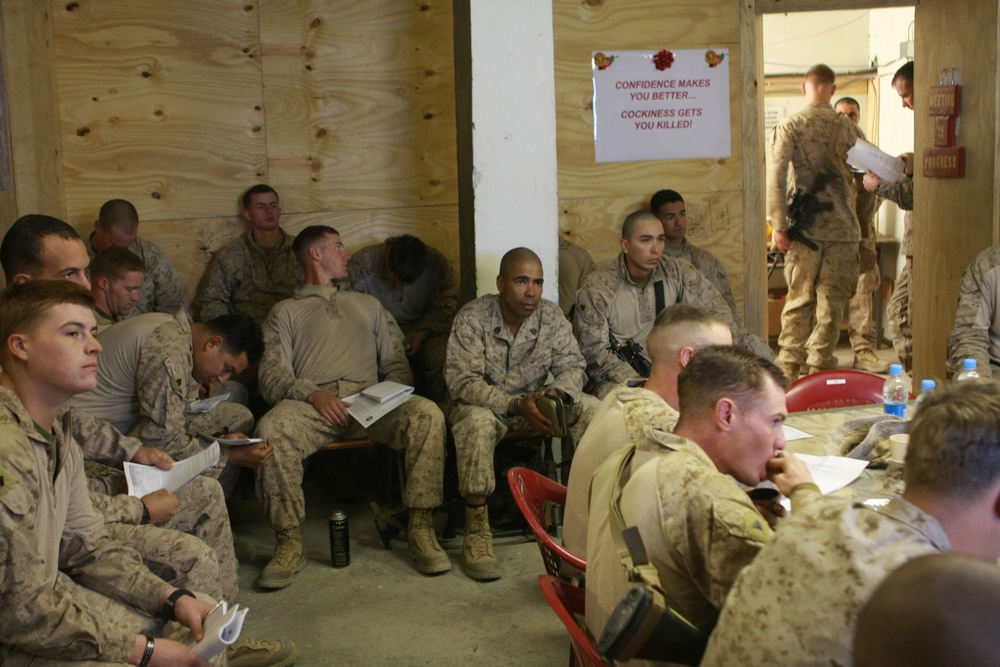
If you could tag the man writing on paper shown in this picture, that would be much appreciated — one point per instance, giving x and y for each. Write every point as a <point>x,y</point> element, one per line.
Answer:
<point>320,345</point>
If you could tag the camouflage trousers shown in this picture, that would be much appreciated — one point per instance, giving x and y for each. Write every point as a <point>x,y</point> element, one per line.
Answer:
<point>820,284</point>
<point>186,543</point>
<point>297,430</point>
<point>479,430</point>
<point>428,368</point>
<point>123,615</point>
<point>900,311</point>
<point>860,315</point>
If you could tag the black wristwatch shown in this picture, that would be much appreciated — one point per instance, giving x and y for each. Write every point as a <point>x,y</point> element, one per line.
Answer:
<point>167,613</point>
<point>145,519</point>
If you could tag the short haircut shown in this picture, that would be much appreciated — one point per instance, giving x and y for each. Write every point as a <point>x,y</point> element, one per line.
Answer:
<point>23,305</point>
<point>239,334</point>
<point>515,255</point>
<point>847,100</point>
<point>681,325</point>
<point>632,219</point>
<point>119,214</point>
<point>954,445</point>
<point>821,74</point>
<point>407,258</point>
<point>259,189</point>
<point>723,371</point>
<point>21,249</point>
<point>115,263</point>
<point>938,609</point>
<point>904,73</point>
<point>659,199</point>
<point>309,237</point>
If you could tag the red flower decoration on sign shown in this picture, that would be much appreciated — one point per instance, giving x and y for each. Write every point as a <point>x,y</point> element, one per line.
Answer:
<point>663,60</point>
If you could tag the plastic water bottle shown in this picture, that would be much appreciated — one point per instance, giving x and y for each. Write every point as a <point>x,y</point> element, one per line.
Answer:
<point>926,387</point>
<point>968,371</point>
<point>895,393</point>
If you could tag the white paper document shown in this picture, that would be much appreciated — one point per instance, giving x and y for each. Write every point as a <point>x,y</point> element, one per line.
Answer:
<point>832,473</point>
<point>205,404</point>
<point>369,410</point>
<point>386,391</point>
<point>232,442</point>
<point>792,433</point>
<point>864,155</point>
<point>143,480</point>
<point>222,627</point>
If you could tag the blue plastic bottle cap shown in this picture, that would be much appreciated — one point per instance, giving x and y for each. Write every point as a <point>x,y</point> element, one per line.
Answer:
<point>897,369</point>
<point>927,385</point>
<point>969,364</point>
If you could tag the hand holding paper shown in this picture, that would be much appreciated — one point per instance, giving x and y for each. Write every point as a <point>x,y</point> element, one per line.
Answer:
<point>222,628</point>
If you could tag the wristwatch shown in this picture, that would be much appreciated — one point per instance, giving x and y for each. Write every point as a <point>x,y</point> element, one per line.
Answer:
<point>167,613</point>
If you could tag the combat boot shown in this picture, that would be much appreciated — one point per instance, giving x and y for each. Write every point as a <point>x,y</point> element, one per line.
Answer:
<point>245,652</point>
<point>423,545</point>
<point>865,360</point>
<point>287,562</point>
<point>477,548</point>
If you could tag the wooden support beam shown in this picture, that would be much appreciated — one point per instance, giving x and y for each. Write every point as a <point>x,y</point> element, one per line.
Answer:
<point>787,6</point>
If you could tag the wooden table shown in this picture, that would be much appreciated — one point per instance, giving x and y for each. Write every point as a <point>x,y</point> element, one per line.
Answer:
<point>873,482</point>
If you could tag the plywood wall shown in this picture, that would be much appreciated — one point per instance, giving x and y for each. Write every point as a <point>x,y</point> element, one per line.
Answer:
<point>596,197</point>
<point>346,108</point>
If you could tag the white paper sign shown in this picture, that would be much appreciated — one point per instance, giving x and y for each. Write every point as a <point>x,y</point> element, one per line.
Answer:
<point>661,105</point>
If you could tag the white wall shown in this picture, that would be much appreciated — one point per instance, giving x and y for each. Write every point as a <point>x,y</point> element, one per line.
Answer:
<point>514,137</point>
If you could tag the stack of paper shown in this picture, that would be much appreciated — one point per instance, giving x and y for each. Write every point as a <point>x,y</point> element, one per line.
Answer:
<point>222,628</point>
<point>377,401</point>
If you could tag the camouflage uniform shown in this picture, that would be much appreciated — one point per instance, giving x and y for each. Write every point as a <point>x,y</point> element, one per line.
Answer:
<point>428,304</point>
<point>625,415</point>
<point>820,282</point>
<point>575,264</point>
<point>201,513</point>
<point>976,333</point>
<point>144,384</point>
<point>710,267</point>
<point>700,533</point>
<point>860,310</point>
<point>162,290</point>
<point>51,539</point>
<point>103,320</point>
<point>488,367</point>
<point>611,302</point>
<point>338,342</point>
<point>246,279</point>
<point>900,308</point>
<point>797,604</point>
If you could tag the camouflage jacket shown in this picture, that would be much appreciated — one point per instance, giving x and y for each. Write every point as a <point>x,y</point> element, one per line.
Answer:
<point>246,279</point>
<point>976,333</point>
<point>808,585</point>
<point>575,264</point>
<point>428,304</point>
<point>51,539</point>
<point>799,147</point>
<point>711,268</point>
<point>901,192</point>
<point>487,366</point>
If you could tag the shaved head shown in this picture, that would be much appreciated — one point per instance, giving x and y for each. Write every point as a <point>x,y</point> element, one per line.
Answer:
<point>515,257</point>
<point>628,227</point>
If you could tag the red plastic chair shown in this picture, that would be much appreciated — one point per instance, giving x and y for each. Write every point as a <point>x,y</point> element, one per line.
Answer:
<point>567,601</point>
<point>531,490</point>
<point>834,389</point>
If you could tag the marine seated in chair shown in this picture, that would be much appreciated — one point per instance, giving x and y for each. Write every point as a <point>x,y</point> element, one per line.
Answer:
<point>502,349</point>
<point>321,345</point>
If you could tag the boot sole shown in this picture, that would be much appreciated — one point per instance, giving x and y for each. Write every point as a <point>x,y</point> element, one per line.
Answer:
<point>274,584</point>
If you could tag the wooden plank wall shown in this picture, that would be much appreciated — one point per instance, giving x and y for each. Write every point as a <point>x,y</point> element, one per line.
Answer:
<point>954,219</point>
<point>346,108</point>
<point>596,197</point>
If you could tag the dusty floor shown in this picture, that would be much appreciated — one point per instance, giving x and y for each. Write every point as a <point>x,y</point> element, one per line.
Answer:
<point>379,610</point>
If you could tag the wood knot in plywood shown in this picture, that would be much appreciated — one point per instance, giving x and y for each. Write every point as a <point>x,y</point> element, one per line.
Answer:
<point>424,8</point>
<point>83,131</point>
<point>309,68</point>
<point>428,116</point>
<point>256,128</point>
<point>248,8</point>
<point>315,23</point>
<point>146,75</point>
<point>72,7</point>
<point>320,133</point>
<point>154,195</point>
<point>158,112</point>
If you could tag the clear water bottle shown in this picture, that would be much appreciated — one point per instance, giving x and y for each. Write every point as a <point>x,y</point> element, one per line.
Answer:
<point>968,371</point>
<point>926,387</point>
<point>895,393</point>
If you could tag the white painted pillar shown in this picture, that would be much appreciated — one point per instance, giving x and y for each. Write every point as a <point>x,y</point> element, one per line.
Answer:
<point>513,137</point>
